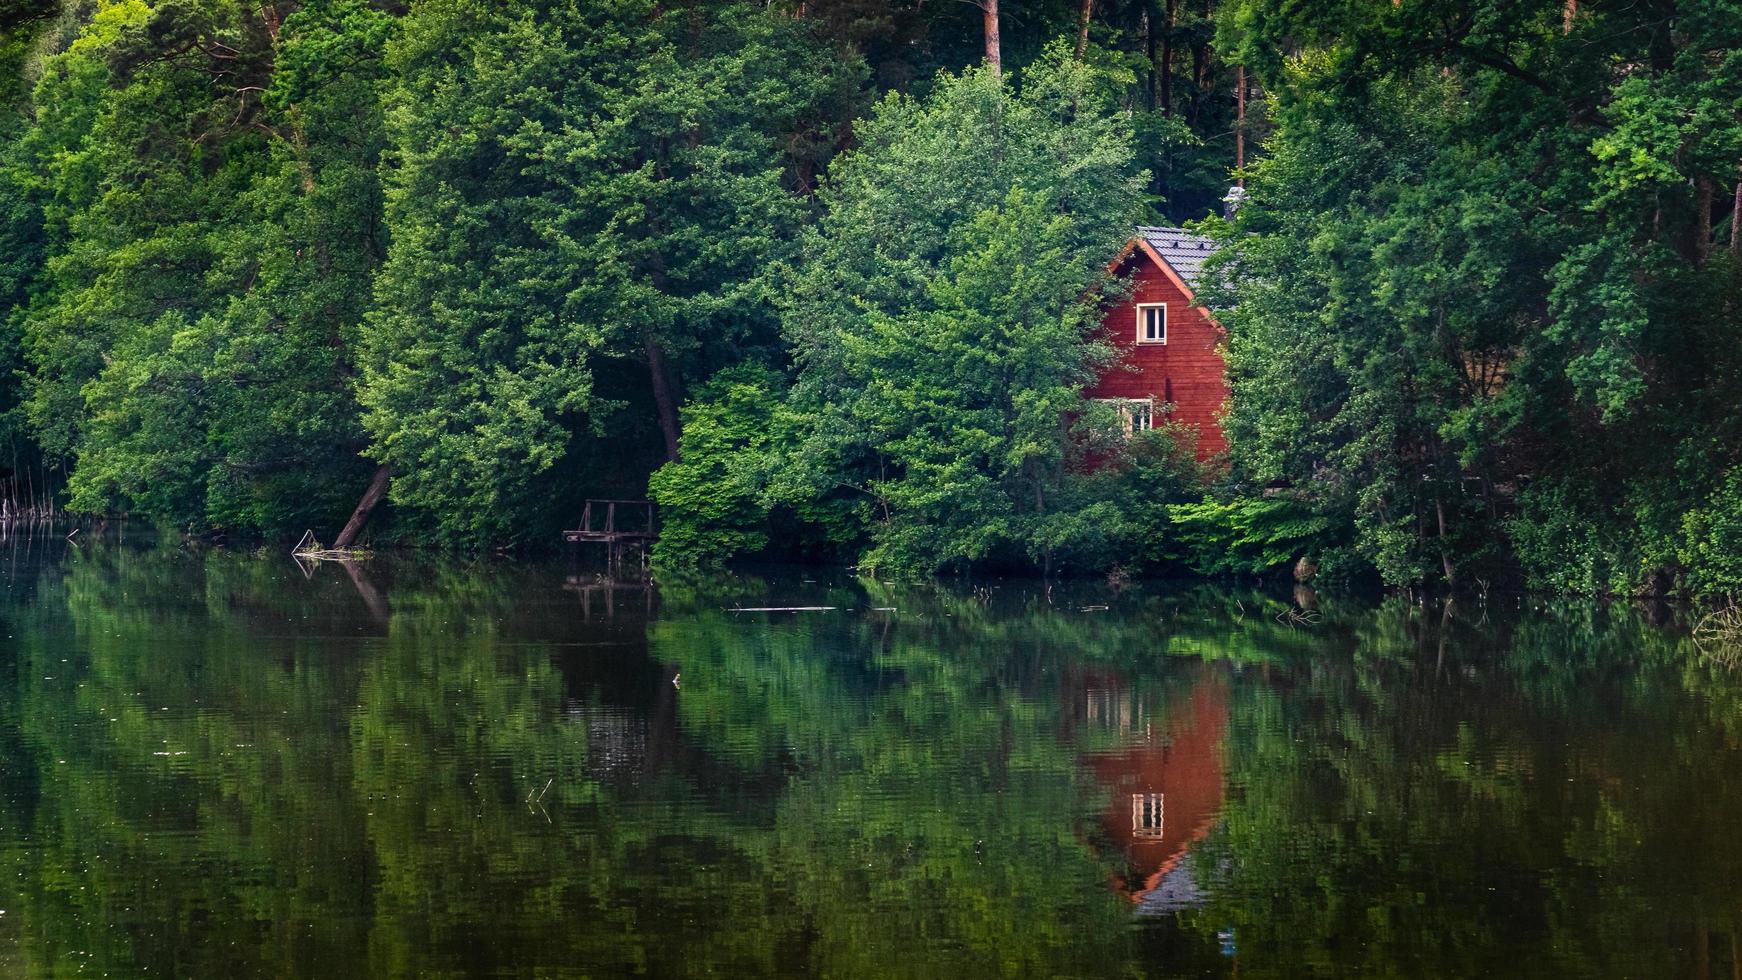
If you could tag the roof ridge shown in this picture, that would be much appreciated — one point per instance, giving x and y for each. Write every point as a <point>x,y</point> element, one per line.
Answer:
<point>1183,251</point>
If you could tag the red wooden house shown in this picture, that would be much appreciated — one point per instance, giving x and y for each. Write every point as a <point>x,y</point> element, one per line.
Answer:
<point>1170,363</point>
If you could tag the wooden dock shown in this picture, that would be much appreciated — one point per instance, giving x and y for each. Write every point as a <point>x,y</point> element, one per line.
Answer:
<point>600,525</point>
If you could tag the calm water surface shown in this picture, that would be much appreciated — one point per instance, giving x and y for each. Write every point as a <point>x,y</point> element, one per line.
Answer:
<point>214,765</point>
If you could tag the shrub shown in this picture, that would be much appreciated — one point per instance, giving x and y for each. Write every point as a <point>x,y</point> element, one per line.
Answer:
<point>1247,535</point>
<point>710,499</point>
<point>1711,544</point>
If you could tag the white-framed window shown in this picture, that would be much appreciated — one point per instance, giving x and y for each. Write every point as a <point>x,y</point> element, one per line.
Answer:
<point>1148,813</point>
<point>1152,323</point>
<point>1135,414</point>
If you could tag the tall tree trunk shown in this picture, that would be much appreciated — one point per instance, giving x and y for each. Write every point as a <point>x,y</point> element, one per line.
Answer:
<point>1569,10</point>
<point>366,506</point>
<point>1240,125</point>
<point>994,50</point>
<point>1149,52</point>
<point>664,397</point>
<point>1083,27</point>
<point>1200,78</point>
<point>1702,219</point>
<point>1736,223</point>
<point>1451,569</point>
<point>1166,70</point>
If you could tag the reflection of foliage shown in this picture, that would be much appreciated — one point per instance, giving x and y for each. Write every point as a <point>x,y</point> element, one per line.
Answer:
<point>219,768</point>
<point>927,779</point>
<point>165,760</point>
<point>1455,798</point>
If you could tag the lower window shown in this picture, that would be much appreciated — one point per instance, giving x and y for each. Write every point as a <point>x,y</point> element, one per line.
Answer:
<point>1135,414</point>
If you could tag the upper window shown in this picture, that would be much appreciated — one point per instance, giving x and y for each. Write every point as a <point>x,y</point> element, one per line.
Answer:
<point>1152,323</point>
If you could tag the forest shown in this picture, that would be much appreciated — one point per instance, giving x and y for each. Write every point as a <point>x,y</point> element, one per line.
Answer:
<point>823,279</point>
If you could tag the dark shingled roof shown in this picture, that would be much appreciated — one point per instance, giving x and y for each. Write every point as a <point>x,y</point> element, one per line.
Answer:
<point>1181,249</point>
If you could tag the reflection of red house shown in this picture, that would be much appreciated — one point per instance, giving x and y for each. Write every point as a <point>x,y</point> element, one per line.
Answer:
<point>1170,347</point>
<point>1166,788</point>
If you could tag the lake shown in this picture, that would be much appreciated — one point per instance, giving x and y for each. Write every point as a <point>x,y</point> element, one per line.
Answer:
<point>217,764</point>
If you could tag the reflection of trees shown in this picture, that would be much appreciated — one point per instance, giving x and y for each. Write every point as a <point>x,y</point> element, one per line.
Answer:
<point>1528,798</point>
<point>183,818</point>
<point>926,828</point>
<point>330,795</point>
<point>340,786</point>
<point>938,817</point>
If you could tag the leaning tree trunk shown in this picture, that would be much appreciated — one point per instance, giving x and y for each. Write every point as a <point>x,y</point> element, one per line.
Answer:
<point>1083,28</point>
<point>664,397</point>
<point>366,506</point>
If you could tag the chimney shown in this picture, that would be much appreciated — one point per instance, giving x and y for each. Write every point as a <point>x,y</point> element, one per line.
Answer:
<point>1231,203</point>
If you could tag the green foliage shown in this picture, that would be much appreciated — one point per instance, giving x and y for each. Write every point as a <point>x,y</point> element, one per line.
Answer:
<point>1113,511</point>
<point>1711,541</point>
<point>21,25</point>
<point>1481,301</point>
<point>711,499</point>
<point>1247,536</point>
<point>206,240</point>
<point>576,190</point>
<point>251,252</point>
<point>1484,333</point>
<point>942,323</point>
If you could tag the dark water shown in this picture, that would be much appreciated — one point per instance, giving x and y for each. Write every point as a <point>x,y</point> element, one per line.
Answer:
<point>214,766</point>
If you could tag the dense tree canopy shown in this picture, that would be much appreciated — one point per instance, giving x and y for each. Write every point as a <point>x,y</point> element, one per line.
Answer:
<point>191,280</point>
<point>255,253</point>
<point>1481,300</point>
<point>1484,302</point>
<point>574,185</point>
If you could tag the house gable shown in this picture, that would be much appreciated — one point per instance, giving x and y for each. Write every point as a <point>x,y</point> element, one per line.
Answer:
<point>1186,369</point>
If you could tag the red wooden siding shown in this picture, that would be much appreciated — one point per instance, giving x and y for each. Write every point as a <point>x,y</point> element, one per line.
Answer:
<point>1187,370</point>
